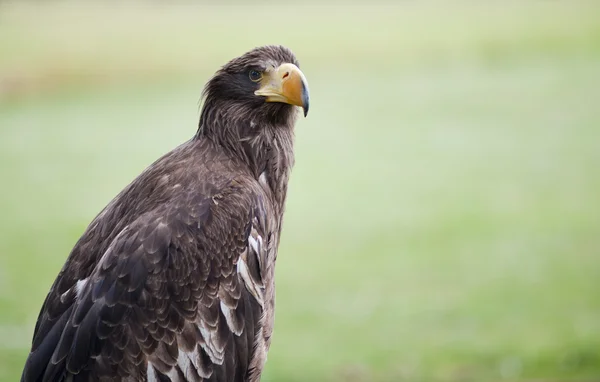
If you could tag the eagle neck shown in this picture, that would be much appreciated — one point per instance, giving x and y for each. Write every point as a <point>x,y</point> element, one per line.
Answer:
<point>265,149</point>
<point>276,159</point>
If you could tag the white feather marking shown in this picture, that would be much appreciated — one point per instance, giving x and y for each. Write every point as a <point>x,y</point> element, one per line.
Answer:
<point>173,375</point>
<point>228,313</point>
<point>259,255</point>
<point>184,364</point>
<point>251,285</point>
<point>80,285</point>
<point>255,243</point>
<point>151,374</point>
<point>163,180</point>
<point>63,297</point>
<point>262,179</point>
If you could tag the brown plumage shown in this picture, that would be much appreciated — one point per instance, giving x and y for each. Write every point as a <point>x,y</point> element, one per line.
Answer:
<point>174,279</point>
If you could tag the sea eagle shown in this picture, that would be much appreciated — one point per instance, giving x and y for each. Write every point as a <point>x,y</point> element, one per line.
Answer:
<point>174,279</point>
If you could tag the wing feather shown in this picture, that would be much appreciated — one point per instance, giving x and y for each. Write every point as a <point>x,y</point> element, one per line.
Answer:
<point>165,298</point>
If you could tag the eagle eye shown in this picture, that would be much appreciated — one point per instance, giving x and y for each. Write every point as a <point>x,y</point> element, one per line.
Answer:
<point>255,75</point>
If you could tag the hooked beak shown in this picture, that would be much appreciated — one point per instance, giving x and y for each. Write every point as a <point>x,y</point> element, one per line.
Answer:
<point>285,84</point>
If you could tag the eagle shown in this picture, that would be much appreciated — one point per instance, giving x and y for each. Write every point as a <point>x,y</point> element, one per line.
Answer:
<point>174,279</point>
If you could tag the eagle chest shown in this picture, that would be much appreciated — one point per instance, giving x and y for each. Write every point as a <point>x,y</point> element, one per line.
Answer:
<point>256,268</point>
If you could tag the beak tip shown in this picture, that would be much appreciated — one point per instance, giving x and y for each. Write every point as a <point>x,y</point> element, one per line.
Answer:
<point>305,100</point>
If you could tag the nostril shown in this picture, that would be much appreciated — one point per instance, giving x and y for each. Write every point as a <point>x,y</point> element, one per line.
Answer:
<point>286,75</point>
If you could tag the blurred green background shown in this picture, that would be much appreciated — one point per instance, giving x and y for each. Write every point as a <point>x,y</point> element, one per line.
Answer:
<point>443,220</point>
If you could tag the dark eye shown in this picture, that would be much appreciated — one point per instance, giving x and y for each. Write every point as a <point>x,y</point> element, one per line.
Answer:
<point>255,75</point>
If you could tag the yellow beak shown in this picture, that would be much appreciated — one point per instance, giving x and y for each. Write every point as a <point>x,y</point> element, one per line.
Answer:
<point>285,84</point>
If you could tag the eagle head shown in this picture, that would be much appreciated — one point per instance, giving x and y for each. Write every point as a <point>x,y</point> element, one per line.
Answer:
<point>262,86</point>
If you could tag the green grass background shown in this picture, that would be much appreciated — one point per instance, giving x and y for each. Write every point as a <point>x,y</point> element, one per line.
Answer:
<point>443,219</point>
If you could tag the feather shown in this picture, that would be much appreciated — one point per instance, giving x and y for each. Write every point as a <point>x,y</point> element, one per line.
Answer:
<point>174,279</point>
